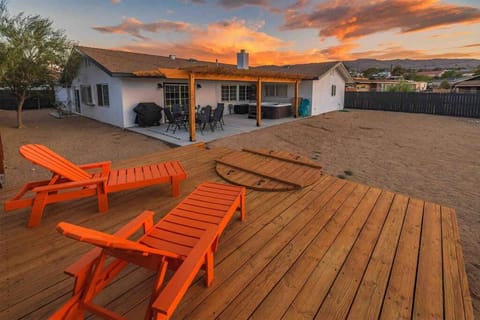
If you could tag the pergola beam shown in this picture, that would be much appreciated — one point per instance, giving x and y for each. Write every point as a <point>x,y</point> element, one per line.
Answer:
<point>295,101</point>
<point>259,102</point>
<point>191,106</point>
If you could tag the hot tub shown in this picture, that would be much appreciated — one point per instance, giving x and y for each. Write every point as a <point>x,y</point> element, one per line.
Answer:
<point>271,110</point>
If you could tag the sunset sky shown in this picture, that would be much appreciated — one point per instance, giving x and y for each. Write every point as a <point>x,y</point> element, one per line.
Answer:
<point>272,31</point>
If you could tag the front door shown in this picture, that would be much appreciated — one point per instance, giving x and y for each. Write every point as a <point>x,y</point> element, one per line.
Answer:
<point>77,101</point>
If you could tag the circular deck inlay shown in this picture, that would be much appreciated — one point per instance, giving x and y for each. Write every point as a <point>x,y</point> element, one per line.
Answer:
<point>268,170</point>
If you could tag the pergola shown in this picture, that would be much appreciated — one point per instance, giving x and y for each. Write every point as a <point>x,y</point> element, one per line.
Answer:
<point>221,73</point>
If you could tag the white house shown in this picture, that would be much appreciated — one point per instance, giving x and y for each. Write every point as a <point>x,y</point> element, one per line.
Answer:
<point>110,83</point>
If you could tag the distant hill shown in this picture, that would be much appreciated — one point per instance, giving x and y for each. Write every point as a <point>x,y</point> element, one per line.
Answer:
<point>362,64</point>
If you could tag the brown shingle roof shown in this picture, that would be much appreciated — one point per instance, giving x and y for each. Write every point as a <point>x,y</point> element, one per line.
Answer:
<point>311,69</point>
<point>117,62</point>
<point>123,62</point>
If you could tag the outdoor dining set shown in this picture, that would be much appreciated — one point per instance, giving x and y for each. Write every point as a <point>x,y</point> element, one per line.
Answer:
<point>178,116</point>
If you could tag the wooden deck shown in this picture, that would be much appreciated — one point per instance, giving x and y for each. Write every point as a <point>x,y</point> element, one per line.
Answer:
<point>333,250</point>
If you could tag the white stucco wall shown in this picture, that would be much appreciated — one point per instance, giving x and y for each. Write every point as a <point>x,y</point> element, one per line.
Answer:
<point>322,101</point>
<point>305,90</point>
<point>90,74</point>
<point>135,91</point>
<point>209,93</point>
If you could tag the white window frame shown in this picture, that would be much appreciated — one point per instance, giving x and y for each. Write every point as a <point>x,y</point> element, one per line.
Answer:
<point>274,90</point>
<point>229,92</point>
<point>179,95</point>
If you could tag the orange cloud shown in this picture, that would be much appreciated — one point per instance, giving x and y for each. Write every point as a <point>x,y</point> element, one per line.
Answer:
<point>223,39</point>
<point>133,27</point>
<point>220,40</point>
<point>350,19</point>
<point>451,35</point>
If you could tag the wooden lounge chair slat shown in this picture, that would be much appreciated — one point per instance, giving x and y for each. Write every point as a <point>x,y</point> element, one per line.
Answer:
<point>172,236</point>
<point>122,176</point>
<point>211,194</point>
<point>190,219</point>
<point>211,212</point>
<point>203,202</point>
<point>147,172</point>
<point>113,178</point>
<point>163,171</point>
<point>196,216</point>
<point>139,176</point>
<point>169,224</point>
<point>71,182</point>
<point>155,172</point>
<point>130,175</point>
<point>199,196</point>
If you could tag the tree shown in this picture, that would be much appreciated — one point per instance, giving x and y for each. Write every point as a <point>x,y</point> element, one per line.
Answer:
<point>445,85</point>
<point>399,71</point>
<point>451,74</point>
<point>368,73</point>
<point>476,72</point>
<point>32,53</point>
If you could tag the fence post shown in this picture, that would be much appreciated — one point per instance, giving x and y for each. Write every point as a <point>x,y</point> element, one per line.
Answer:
<point>2,168</point>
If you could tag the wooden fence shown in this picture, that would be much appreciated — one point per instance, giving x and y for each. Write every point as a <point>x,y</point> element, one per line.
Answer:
<point>2,168</point>
<point>450,104</point>
<point>36,100</point>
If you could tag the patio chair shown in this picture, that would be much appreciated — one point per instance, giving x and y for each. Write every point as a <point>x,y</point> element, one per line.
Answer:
<point>217,117</point>
<point>183,240</point>
<point>70,181</point>
<point>223,109</point>
<point>204,118</point>
<point>175,122</point>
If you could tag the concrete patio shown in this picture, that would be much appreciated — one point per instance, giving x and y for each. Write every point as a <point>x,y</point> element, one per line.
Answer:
<point>234,124</point>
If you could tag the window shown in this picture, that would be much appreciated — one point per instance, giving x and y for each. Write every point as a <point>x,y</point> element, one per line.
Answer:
<point>247,92</point>
<point>102,95</point>
<point>242,93</point>
<point>175,93</point>
<point>276,90</point>
<point>86,95</point>
<point>334,90</point>
<point>229,93</point>
<point>282,90</point>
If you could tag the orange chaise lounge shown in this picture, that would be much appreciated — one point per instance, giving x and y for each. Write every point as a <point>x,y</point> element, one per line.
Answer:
<point>70,181</point>
<point>183,240</point>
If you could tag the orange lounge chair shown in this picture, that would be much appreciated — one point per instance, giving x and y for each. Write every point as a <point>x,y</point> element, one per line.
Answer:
<point>184,239</point>
<point>70,181</point>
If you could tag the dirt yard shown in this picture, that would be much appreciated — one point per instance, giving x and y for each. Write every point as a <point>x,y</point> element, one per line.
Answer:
<point>430,157</point>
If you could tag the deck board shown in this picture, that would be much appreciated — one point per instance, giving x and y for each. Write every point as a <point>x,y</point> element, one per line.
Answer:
<point>335,249</point>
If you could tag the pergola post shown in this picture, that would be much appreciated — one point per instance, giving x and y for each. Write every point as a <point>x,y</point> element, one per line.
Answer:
<point>295,101</point>
<point>259,102</point>
<point>191,106</point>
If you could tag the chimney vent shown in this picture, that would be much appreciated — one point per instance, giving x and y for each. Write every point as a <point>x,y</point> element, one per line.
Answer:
<point>242,59</point>
<point>171,56</point>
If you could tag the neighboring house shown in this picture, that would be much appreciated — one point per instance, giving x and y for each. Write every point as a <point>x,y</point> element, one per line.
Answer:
<point>110,83</point>
<point>382,85</point>
<point>471,85</point>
